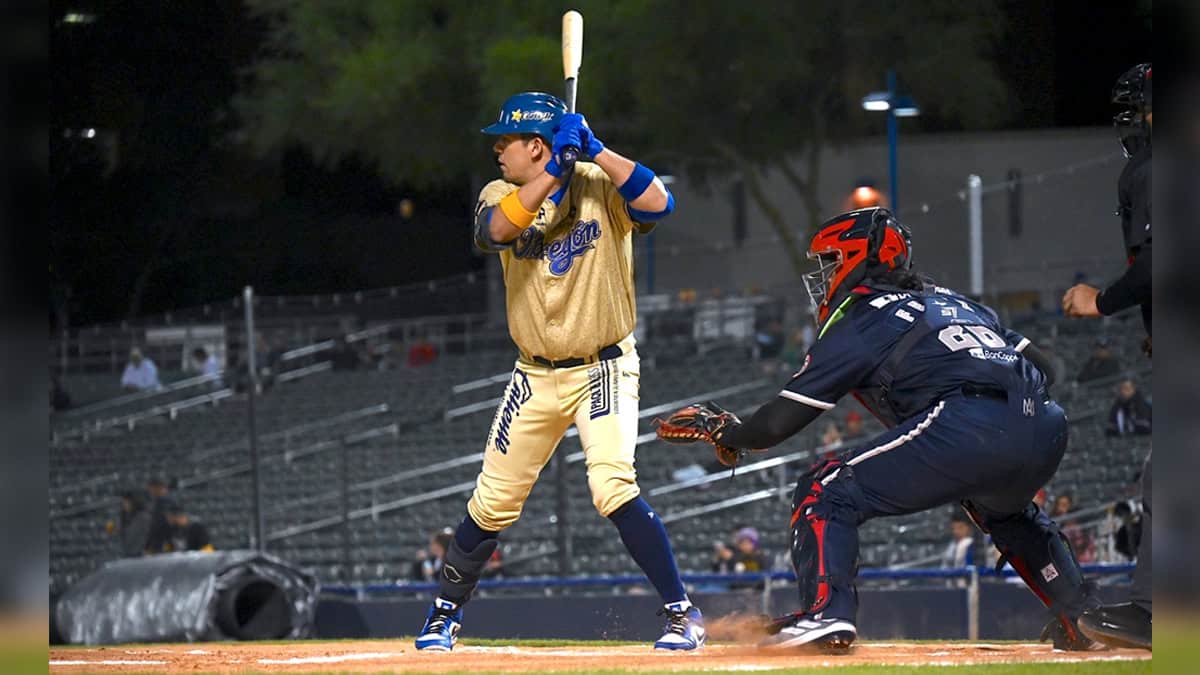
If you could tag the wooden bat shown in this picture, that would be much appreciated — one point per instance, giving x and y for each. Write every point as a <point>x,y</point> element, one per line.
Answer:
<point>572,54</point>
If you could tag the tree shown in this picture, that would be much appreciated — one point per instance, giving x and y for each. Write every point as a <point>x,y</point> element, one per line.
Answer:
<point>775,94</point>
<point>715,89</point>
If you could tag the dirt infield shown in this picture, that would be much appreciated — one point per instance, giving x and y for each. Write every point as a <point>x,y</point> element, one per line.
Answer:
<point>399,655</point>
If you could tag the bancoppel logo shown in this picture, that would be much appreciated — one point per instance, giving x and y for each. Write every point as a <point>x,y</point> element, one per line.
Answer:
<point>992,355</point>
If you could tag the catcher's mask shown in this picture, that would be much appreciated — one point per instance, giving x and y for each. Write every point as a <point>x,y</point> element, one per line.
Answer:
<point>1134,92</point>
<point>850,247</point>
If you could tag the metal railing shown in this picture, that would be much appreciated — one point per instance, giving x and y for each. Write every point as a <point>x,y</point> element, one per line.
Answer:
<point>134,397</point>
<point>131,420</point>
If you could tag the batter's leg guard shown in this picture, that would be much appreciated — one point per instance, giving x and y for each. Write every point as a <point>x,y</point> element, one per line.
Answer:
<point>462,569</point>
<point>825,514</point>
<point>1041,555</point>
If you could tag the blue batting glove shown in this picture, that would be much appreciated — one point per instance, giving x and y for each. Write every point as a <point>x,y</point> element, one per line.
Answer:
<point>565,137</point>
<point>591,146</point>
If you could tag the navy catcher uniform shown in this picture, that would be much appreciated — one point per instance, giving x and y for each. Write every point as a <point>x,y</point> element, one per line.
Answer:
<point>968,417</point>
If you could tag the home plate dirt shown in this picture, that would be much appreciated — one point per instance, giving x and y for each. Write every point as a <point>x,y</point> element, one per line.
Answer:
<point>386,656</point>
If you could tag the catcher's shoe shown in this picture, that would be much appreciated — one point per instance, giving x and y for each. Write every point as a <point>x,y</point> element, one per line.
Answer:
<point>802,630</point>
<point>441,627</point>
<point>685,627</point>
<point>1123,625</point>
<point>1069,638</point>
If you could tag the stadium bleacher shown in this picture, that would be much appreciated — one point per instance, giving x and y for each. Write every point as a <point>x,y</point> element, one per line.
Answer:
<point>393,428</point>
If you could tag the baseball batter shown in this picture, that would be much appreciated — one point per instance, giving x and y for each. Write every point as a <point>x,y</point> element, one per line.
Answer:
<point>564,234</point>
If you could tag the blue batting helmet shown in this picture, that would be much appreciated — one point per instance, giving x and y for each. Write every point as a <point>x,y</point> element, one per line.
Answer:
<point>529,112</point>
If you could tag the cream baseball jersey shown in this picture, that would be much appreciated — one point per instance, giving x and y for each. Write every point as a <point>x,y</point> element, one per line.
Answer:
<point>569,276</point>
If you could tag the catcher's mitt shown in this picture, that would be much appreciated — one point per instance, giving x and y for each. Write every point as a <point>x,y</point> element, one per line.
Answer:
<point>701,422</point>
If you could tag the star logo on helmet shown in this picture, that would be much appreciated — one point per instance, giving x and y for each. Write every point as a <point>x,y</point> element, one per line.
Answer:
<point>515,116</point>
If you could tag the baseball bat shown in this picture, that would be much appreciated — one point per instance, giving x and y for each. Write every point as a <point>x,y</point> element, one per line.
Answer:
<point>572,54</point>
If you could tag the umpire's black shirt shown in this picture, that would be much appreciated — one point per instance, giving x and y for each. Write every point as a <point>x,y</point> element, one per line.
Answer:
<point>1133,288</point>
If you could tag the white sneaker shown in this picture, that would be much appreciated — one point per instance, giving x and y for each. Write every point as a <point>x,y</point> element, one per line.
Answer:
<point>805,631</point>
<point>685,627</point>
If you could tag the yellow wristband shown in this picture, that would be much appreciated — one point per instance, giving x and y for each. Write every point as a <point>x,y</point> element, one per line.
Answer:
<point>516,212</point>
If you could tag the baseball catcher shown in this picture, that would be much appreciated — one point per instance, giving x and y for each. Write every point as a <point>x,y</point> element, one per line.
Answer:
<point>968,420</point>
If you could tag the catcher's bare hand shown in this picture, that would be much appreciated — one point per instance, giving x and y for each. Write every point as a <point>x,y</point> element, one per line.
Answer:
<point>701,422</point>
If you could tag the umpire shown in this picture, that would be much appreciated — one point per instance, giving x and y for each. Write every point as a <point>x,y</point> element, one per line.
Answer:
<point>1128,624</point>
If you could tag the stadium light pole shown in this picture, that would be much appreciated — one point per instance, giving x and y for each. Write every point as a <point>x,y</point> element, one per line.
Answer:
<point>895,106</point>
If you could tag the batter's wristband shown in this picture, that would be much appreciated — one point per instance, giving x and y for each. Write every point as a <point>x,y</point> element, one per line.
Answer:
<point>639,180</point>
<point>516,212</point>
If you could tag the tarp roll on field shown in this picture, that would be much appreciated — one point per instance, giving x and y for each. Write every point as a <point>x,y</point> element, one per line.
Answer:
<point>226,595</point>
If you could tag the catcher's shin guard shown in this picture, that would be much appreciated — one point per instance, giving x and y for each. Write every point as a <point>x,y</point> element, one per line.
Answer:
<point>461,570</point>
<point>825,539</point>
<point>1041,555</point>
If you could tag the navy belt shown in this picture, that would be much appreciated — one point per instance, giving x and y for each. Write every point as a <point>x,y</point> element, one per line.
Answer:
<point>980,391</point>
<point>609,352</point>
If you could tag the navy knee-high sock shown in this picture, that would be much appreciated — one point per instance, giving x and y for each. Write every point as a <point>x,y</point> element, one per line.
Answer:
<point>646,539</point>
<point>469,535</point>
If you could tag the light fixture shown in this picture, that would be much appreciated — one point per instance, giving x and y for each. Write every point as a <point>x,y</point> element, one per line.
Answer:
<point>877,101</point>
<point>906,107</point>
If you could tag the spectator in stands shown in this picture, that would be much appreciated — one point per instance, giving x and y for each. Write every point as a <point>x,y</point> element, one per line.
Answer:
<point>1130,413</point>
<point>429,561</point>
<point>158,538</point>
<point>722,561</point>
<point>132,525</point>
<point>187,534</point>
<point>854,427</point>
<point>140,373</point>
<point>205,363</point>
<point>769,339</point>
<point>1103,363</point>
<point>421,354</point>
<point>1063,504</point>
<point>1081,540</point>
<point>344,356</point>
<point>960,552</point>
<point>1129,534</point>
<point>831,438</point>
<point>59,398</point>
<point>748,557</point>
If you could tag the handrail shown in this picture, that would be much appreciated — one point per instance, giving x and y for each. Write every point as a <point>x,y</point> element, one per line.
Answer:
<point>481,383</point>
<point>297,373</point>
<point>131,420</point>
<point>179,385</point>
<point>298,352</point>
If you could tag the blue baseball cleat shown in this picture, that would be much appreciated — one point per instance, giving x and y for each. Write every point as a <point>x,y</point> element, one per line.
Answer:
<point>441,627</point>
<point>685,627</point>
